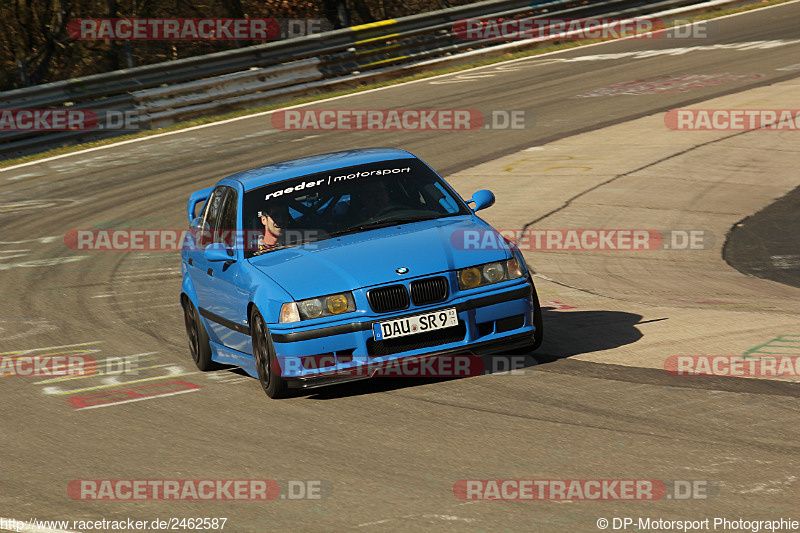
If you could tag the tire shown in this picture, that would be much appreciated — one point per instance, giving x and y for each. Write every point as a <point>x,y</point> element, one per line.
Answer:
<point>266,363</point>
<point>198,337</point>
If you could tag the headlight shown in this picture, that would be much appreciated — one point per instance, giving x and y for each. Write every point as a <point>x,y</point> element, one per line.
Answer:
<point>311,308</point>
<point>486,274</point>
<point>515,270</point>
<point>289,313</point>
<point>469,278</point>
<point>335,304</point>
<point>494,272</point>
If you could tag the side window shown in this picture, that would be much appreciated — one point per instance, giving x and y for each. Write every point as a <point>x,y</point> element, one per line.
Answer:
<point>226,229</point>
<point>211,214</point>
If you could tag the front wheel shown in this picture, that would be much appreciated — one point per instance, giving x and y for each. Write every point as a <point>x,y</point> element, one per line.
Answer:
<point>198,337</point>
<point>267,366</point>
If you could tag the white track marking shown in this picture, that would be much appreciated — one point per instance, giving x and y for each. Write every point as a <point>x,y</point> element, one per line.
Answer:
<point>174,371</point>
<point>267,113</point>
<point>107,295</point>
<point>123,300</point>
<point>176,304</point>
<point>26,352</point>
<point>154,274</point>
<point>58,379</point>
<point>137,399</point>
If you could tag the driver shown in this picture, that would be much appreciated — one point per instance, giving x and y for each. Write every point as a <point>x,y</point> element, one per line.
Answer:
<point>371,197</point>
<point>274,219</point>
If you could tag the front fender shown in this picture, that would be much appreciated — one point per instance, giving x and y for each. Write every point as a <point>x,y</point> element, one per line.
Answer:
<point>268,297</point>
<point>187,288</point>
<point>265,293</point>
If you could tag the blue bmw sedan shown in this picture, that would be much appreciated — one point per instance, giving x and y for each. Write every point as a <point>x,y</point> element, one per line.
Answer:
<point>319,270</point>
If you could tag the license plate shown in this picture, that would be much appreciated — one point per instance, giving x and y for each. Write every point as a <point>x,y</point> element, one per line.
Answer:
<point>410,325</point>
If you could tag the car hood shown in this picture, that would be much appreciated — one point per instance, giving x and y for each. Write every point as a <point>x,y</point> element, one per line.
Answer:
<point>373,257</point>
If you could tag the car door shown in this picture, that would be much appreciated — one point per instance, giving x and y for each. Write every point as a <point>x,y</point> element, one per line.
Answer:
<point>197,264</point>
<point>227,287</point>
<point>199,268</point>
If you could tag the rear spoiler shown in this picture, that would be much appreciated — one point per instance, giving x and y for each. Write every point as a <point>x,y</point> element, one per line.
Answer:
<point>197,197</point>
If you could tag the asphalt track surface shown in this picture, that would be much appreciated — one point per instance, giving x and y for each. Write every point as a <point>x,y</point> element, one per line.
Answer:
<point>766,244</point>
<point>387,453</point>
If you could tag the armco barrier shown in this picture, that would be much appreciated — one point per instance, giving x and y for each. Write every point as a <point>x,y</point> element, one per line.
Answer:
<point>232,85</point>
<point>167,93</point>
<point>192,68</point>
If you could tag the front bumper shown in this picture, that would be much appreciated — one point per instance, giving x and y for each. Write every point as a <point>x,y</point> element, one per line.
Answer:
<point>494,321</point>
<point>387,367</point>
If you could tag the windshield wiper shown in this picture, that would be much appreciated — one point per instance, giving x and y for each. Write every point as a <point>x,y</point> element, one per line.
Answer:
<point>387,223</point>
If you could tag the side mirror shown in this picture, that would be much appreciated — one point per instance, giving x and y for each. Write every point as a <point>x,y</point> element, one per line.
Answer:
<point>200,233</point>
<point>217,252</point>
<point>482,199</point>
<point>197,197</point>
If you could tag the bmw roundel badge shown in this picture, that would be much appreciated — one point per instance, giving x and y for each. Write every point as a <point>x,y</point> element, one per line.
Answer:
<point>402,270</point>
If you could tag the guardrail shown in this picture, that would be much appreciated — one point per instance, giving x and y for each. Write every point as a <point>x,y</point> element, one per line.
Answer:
<point>166,93</point>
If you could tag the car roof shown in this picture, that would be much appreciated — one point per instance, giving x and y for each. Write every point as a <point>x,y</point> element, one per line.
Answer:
<point>257,177</point>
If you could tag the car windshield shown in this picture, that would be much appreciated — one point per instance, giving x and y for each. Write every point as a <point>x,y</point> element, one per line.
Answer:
<point>347,200</point>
